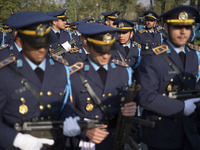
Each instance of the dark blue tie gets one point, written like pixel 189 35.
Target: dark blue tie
pixel 40 73
pixel 103 73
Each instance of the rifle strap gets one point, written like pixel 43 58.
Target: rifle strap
pixel 95 98
pixel 178 72
pixel 25 82
pixel 120 55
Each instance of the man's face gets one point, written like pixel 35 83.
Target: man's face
pixel 150 24
pixel 124 37
pixel 35 54
pixel 99 58
pixel 60 24
pixel 178 35
pixel 110 23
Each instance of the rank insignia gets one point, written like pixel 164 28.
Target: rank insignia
pixel 23 109
pixel 193 47
pixel 74 50
pixel 7 61
pixel 89 107
pixel 160 49
pixel 137 44
pixel 75 67
pixel 120 63
pixel 59 59
pixel 142 30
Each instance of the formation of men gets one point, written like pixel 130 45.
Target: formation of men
pixel 55 71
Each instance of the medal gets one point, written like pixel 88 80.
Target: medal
pixel 23 109
pixel 89 107
pixel 169 88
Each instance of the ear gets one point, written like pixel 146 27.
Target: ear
pixel 131 34
pixel 107 22
pixel 54 22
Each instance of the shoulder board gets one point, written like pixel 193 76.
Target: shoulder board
pixel 6 61
pixel 142 30
pixel 137 44
pixel 159 28
pixel 75 67
pixel 59 59
pixel 160 49
pixel 120 63
pixel 2 30
pixel 4 46
pixel 193 47
pixel 74 50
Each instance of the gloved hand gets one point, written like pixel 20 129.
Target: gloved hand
pixel 190 106
pixel 71 127
pixel 28 142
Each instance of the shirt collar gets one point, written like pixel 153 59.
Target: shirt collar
pixel 175 48
pixel 95 66
pixel 55 30
pixel 85 51
pixel 42 65
pixel 129 45
pixel 18 48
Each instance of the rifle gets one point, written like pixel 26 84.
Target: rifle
pixel 52 129
pixel 126 124
pixel 183 95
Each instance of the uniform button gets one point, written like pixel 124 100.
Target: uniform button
pixel 129 60
pixel 49 93
pixel 103 95
pixel 189 78
pixel 50 49
pixel 109 94
pixel 160 118
pixel 22 99
pixel 109 105
pixel 171 80
pixel 42 118
pixel 41 107
pixel 41 93
pixel 60 94
pixel 125 59
pixel 104 106
pixel 88 98
pixel 184 78
pixel 49 106
pixel 96 116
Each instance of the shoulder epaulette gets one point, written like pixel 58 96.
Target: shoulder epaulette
pixel 120 63
pixel 75 67
pixel 137 44
pixel 160 49
pixel 59 59
pixel 4 46
pixel 74 50
pixel 193 47
pixel 6 61
pixel 142 30
pixel 159 28
pixel 2 30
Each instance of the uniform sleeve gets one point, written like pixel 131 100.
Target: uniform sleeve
pixel 150 76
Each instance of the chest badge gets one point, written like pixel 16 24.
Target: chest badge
pixel 89 107
pixel 23 109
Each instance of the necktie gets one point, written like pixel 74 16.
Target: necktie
pixel 126 50
pixel 40 73
pixel 182 57
pixel 58 34
pixel 103 73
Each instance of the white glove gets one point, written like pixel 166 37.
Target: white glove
pixel 190 106
pixel 71 127
pixel 66 46
pixel 28 142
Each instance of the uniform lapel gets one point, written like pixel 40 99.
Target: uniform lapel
pixel 189 58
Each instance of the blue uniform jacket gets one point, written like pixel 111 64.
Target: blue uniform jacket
pixel 116 81
pixel 156 76
pixel 51 90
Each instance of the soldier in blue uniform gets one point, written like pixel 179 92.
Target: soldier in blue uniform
pixel 108 79
pixel 126 51
pixel 172 67
pixel 33 86
pixel 109 18
pixel 57 27
pixel 74 34
pixel 149 37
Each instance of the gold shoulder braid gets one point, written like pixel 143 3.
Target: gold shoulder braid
pixel 160 49
pixel 120 63
pixel 193 47
pixel 59 59
pixel 7 61
pixel 75 67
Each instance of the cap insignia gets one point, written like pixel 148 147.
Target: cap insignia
pixel 121 25
pixel 183 16
pixel 107 38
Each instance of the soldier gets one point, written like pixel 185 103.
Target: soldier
pixel 57 27
pixel 127 51
pixel 149 36
pixel 30 87
pixel 108 80
pixel 173 67
pixel 109 18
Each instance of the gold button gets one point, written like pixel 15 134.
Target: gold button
pixel 49 93
pixel 41 93
pixel 172 80
pixel 104 106
pixel 129 60
pixel 88 98
pixel 189 78
pixel 103 95
pixel 160 118
pixel 109 94
pixel 96 116
pixel 49 106
pixel 22 99
pixel 50 49
pixel 42 118
pixel 61 94
pixel 125 59
pixel 109 105
pixel 41 107
pixel 89 107
pixel 184 78
pixel 49 117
